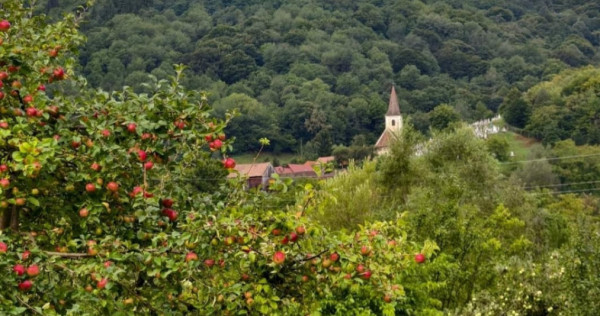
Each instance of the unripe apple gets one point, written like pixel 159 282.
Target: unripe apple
pixel 300 230
pixel 90 187
pixel 25 285
pixel 112 186
pixel 278 257
pixel 222 136
pixel 20 201
pixel 33 270
pixel 419 258
pixel 326 263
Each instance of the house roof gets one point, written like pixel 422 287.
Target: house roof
pixel 251 170
pixel 393 107
pixel 326 159
pixel 385 139
pixel 294 169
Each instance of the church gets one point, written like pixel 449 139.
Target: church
pixel 393 125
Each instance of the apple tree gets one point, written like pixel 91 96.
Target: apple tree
pixel 104 212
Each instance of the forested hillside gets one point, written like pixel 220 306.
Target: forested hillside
pixel 318 72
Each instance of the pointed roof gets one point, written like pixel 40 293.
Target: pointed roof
pixel 393 107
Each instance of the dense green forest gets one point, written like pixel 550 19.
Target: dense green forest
pixel 317 73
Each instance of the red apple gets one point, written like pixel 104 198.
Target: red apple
pixel 96 167
pixel 31 112
pixel 102 283
pixel 209 138
pixel 41 87
pixel 146 136
pixel 285 240
pixel 33 270
pixel 59 73
pixel 191 256
pixel 419 258
pixel 293 237
pixel 75 144
pixel 112 186
pixel 3 75
pixel 334 257
pixel 27 99
pixel 167 203
pixel 148 165
pixel 105 133
pixel 216 144
pixel 360 268
pixel 229 163
pixel 26 255
pixel 171 214
pixel 3 247
pixel 4 25
pixel 4 125
pixel 365 251
pixel 209 262
pixel 131 127
pixel 278 257
pixel 90 187
pixel 25 285
pixel 366 275
pixel 84 212
pixel 1 94
pixel 4 183
pixel 107 264
pixel 142 155
pixel 300 230
pixel 19 269
pixel 276 232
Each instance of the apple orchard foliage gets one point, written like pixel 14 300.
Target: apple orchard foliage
pixel 100 214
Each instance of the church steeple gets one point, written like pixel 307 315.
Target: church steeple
pixel 393 107
pixel 393 118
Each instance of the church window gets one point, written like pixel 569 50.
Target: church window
pixel 393 122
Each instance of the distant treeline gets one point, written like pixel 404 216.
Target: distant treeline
pixel 318 73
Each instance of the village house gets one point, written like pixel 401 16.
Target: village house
pixel 257 174
pixel 296 171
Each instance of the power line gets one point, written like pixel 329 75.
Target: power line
pixel 565 192
pixel 560 185
pixel 547 159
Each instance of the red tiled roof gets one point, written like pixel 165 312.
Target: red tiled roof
pixel 385 139
pixel 251 170
pixel 326 159
pixel 295 170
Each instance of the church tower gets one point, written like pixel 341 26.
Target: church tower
pixel 393 118
pixel 393 125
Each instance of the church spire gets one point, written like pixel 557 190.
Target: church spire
pixel 393 107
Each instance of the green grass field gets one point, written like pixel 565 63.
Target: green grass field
pixel 519 144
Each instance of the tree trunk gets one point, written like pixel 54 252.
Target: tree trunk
pixel 14 219
pixel 5 220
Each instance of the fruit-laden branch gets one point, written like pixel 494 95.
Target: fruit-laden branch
pixel 78 255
